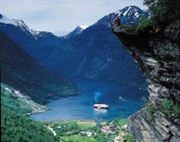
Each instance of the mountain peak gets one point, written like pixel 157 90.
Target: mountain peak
pixel 18 23
pixel 129 15
pixel 79 29
pixel 83 26
pixel 130 11
pixel 6 20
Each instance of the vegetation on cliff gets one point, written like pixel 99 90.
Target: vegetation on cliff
pixel 154 43
pixel 171 108
pixel 162 13
pixel 163 10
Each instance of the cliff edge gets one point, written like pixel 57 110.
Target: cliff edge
pixel 158 55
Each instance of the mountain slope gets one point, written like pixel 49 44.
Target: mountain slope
pixel 20 71
pixel 16 127
pixel 96 53
pixel 36 44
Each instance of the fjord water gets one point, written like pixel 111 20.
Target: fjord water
pixel 123 101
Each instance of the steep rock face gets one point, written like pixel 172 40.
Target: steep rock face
pixel 158 55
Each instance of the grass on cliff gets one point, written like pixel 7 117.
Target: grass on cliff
pixel 162 13
pixel 171 108
pixel 145 25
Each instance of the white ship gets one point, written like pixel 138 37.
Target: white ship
pixel 101 106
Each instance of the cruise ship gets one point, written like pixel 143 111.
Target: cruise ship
pixel 101 106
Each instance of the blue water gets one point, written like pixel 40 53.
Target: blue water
pixel 123 101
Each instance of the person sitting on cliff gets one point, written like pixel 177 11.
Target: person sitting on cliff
pixel 116 25
pixel 117 21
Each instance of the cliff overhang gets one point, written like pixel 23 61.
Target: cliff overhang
pixel 158 56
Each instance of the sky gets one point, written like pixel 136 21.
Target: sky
pixel 61 16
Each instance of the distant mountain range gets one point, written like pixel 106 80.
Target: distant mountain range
pixel 37 44
pixel 92 52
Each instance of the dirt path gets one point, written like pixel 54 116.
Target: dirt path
pixel 51 129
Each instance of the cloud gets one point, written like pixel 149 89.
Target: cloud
pixel 61 15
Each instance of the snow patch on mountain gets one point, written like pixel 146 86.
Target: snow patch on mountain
pixel 83 26
pixel 5 20
pixel 18 23
pixel 127 11
pixel 78 30
pixel 130 11
pixel 129 15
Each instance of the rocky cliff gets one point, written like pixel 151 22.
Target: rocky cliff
pixel 158 55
